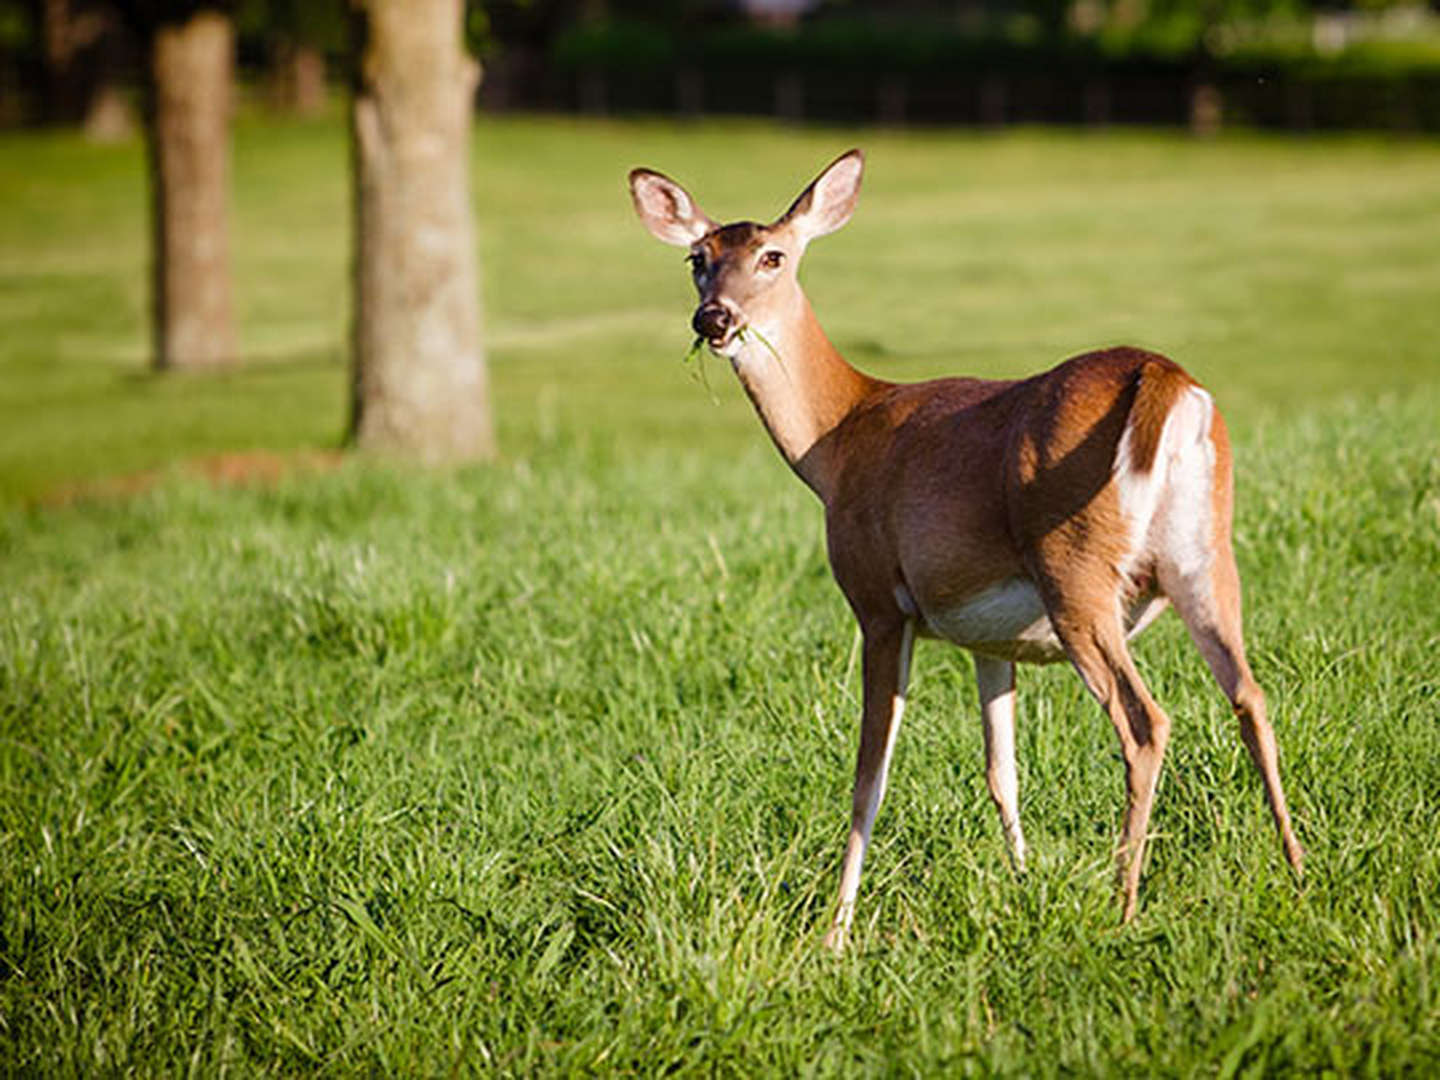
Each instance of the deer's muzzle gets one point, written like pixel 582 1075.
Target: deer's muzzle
pixel 712 321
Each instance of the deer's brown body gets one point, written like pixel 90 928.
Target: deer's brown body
pixel 1035 520
pixel 955 528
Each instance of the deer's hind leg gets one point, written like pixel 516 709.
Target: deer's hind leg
pixel 1096 646
pixel 1083 595
pixel 1196 569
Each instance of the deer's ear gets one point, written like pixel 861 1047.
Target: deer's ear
pixel 667 209
pixel 830 200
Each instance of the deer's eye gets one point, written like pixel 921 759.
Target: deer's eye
pixel 696 261
pixel 771 260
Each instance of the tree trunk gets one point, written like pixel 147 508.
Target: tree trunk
pixel 109 118
pixel 191 64
pixel 297 73
pixel 420 386
pixel 1206 110
pixel 62 90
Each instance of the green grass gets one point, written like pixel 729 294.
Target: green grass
pixel 1280 272
pixel 544 766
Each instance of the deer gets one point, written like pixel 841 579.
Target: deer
pixel 1034 520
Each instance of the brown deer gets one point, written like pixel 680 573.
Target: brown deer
pixel 1035 520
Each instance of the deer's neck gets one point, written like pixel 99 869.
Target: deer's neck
pixel 802 388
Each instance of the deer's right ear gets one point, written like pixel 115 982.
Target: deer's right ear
pixel 667 209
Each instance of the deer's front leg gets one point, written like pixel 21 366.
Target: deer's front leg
pixel 996 679
pixel 886 670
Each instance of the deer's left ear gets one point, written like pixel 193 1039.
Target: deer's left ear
pixel 830 200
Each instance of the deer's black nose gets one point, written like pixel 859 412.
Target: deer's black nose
pixel 711 321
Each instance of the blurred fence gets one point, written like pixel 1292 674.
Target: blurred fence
pixel 852 73
pixel 1176 97
pixel 1121 95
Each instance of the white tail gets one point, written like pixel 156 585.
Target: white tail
pixel 1037 520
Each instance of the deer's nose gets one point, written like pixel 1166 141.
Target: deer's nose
pixel 711 320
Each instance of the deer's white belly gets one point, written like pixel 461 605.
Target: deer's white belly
pixel 1008 621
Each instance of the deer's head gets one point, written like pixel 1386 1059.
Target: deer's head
pixel 745 272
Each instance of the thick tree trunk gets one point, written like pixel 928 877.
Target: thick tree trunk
pixel 420 385
pixel 191 64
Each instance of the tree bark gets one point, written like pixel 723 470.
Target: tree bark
pixel 420 386
pixel 191 64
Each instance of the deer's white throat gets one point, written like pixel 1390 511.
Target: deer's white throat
pixel 773 372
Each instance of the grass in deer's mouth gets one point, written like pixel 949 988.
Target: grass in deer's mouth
pixel 696 353
pixel 695 359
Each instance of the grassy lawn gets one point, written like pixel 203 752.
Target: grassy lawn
pixel 545 766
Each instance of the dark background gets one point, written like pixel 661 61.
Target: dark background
pixel 1265 63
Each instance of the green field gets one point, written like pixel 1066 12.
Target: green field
pixel 544 766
